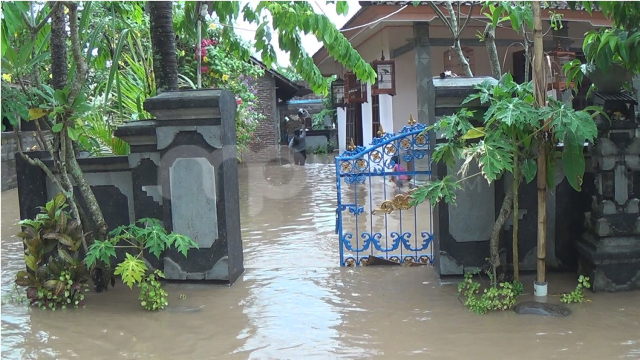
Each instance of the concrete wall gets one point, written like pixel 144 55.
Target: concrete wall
pixel 9 149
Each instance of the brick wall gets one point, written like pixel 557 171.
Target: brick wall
pixel 264 146
pixel 9 149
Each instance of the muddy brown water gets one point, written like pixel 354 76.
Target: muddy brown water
pixel 295 302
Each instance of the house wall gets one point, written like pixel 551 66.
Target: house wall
pixel 264 146
pixel 395 36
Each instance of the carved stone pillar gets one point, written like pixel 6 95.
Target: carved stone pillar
pixel 610 248
pixel 198 179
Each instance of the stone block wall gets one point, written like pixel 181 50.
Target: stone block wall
pixel 264 146
pixel 9 149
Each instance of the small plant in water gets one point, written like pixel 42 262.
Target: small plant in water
pixel 56 275
pixel 502 297
pixel 150 237
pixel 577 295
pixel 152 295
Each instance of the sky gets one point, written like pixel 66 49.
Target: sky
pixel 309 42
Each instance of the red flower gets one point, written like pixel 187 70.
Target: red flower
pixel 204 69
pixel 239 101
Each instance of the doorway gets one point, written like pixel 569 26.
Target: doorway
pixel 354 124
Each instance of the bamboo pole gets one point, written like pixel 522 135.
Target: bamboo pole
pixel 541 96
pixel 516 222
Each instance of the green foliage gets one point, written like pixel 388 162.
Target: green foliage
pixel 606 47
pixel 510 127
pixel 577 295
pixel 55 275
pixel 502 297
pixel 219 70
pixel 290 20
pixel 152 295
pixel 320 150
pixel 14 105
pixel 289 72
pixel 146 235
pixel 328 110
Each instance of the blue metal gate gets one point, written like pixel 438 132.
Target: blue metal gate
pixel 367 187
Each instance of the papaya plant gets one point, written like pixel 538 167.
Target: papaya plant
pixel 506 143
pixel 151 238
pixel 56 274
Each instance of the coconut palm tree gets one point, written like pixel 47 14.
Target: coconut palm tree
pixel 163 42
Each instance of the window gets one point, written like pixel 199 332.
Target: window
pixel 452 61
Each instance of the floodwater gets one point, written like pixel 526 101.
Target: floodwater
pixel 295 302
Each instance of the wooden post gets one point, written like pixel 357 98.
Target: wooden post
pixel 540 93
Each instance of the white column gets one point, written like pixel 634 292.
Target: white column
pixel 342 129
pixel 367 119
pixel 386 112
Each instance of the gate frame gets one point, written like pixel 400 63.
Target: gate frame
pixel 358 163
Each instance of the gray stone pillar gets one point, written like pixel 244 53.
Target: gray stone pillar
pixel 610 249
pixel 424 75
pixel 424 88
pixel 198 180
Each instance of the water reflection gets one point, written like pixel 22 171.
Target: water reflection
pixel 294 302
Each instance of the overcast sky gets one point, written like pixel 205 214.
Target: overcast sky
pixel 311 45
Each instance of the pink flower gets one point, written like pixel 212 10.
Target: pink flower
pixel 204 69
pixel 239 101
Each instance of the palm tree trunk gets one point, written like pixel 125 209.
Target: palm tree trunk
pixel 59 66
pixel 165 61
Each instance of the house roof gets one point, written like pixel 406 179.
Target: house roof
pixel 559 5
pixel 285 88
pixel 370 11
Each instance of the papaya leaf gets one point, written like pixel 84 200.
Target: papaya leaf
pixel 131 269
pixel 155 240
pixel 100 250
pixel 474 133
pixel 529 169
pixel 182 243
pixel 434 191
pixel 494 157
pixel 573 160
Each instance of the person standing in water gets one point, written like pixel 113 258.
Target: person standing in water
pixel 401 179
pixel 299 146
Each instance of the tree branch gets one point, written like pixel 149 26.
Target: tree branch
pixel 466 21
pixel 440 14
pixel 36 29
pixel 454 21
pixel 81 65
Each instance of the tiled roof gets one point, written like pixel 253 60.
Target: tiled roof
pixel 559 5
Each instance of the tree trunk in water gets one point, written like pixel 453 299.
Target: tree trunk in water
pixel 490 42
pixel 463 59
pixel 541 98
pixel 58 43
pixel 494 243
pixel 165 61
